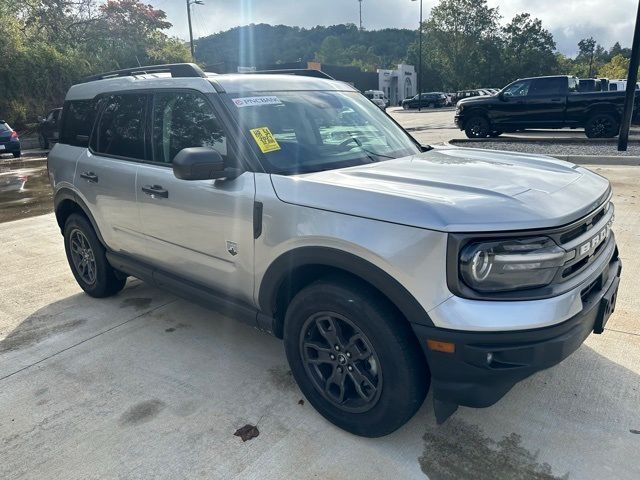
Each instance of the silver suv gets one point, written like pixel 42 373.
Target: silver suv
pixel 292 203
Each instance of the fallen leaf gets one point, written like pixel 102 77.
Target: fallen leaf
pixel 300 402
pixel 247 432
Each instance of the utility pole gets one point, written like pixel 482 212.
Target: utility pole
pixel 420 58
pixel 189 3
pixel 632 79
pixel 360 2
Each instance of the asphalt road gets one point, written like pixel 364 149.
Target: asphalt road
pixel 146 385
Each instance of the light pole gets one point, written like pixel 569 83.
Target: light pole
pixel 632 78
pixel 419 59
pixel 189 3
pixel 360 2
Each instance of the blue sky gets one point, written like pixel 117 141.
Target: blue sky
pixel 568 20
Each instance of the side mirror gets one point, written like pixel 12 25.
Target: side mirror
pixel 201 163
pixel 502 97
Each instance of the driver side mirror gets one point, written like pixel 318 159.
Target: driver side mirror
pixel 202 163
pixel 502 97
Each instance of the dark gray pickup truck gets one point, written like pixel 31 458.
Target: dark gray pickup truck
pixel 541 102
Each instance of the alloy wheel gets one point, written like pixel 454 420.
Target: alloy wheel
pixel 341 362
pixel 82 256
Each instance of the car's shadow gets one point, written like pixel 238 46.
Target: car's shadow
pixel 145 361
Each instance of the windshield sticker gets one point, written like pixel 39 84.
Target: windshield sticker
pixel 256 101
pixel 265 140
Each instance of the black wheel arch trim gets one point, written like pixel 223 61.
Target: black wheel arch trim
pixel 280 269
pixel 68 194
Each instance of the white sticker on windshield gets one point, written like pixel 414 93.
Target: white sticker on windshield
pixel 256 101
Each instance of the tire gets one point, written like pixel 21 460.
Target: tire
pixel 394 365
pixel 477 127
pixel 43 142
pixel 405 106
pixel 17 154
pixel 82 247
pixel 601 125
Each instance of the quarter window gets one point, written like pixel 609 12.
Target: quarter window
pixel 182 120
pixel 77 122
pixel 548 86
pixel 121 127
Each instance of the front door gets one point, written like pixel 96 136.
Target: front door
pixel 511 109
pixel 546 102
pixel 200 230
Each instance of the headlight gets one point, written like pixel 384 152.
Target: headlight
pixel 510 264
pixel 459 108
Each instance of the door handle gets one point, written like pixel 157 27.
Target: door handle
pixel 556 100
pixel 155 191
pixel 89 176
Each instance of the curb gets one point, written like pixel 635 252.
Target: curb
pixel 567 141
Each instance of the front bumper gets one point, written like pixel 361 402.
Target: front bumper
pixel 466 377
pixel 459 121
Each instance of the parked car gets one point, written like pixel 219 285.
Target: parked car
pixel 9 140
pixel 49 128
pixel 620 85
pixel 590 85
pixel 386 266
pixel 377 98
pixel 424 100
pixel 466 94
pixel 541 102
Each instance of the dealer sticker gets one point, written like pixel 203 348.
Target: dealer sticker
pixel 256 101
pixel 265 140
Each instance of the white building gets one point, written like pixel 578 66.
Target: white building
pixel 398 84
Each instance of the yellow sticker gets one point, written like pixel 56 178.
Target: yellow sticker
pixel 265 140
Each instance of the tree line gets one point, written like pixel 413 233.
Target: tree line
pixel 47 45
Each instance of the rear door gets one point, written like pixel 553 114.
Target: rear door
pixel 199 230
pixel 546 102
pixel 106 172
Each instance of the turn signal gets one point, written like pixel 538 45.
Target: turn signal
pixel 438 346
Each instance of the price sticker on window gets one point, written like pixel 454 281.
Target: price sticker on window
pixel 265 140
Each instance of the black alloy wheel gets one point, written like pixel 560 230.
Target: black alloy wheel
pixel 341 362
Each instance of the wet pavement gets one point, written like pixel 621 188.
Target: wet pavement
pixel 24 188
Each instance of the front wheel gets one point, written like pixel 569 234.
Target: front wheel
pixel 405 106
pixel 43 142
pixel 87 259
pixel 477 127
pixel 354 357
pixel 17 154
pixel 601 125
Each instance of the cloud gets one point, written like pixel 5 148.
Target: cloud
pixel 568 20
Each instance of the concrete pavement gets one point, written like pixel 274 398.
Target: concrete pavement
pixel 145 385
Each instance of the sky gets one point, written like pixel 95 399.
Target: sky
pixel 568 20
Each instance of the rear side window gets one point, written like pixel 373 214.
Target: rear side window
pixel 547 86
pixel 120 131
pixel 182 120
pixel 77 122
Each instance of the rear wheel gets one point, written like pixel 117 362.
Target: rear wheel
pixel 601 125
pixel 17 154
pixel 87 259
pixel 477 127
pixel 354 357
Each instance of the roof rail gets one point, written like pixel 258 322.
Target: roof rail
pixel 176 70
pixel 303 72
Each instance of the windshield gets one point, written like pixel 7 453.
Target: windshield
pixel 307 131
pixel 4 127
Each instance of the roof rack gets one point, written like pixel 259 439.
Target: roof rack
pixel 303 72
pixel 175 69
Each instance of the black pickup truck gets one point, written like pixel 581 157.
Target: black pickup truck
pixel 542 102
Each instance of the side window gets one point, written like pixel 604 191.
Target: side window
pixel 77 121
pixel 182 120
pixel 613 87
pixel 547 86
pixel 574 86
pixel 121 127
pixel 518 89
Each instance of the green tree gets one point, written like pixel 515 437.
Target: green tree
pixel 528 48
pixel 618 67
pixel 456 32
pixel 331 51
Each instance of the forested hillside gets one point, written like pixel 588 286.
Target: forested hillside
pixel 338 44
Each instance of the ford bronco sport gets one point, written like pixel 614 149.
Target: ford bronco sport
pixel 292 203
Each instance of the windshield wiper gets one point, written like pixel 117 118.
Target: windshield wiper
pixel 368 152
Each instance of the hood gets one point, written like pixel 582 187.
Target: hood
pixel 454 190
